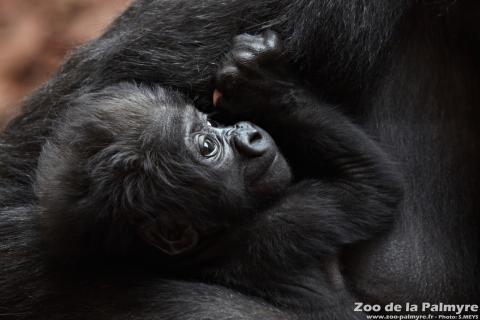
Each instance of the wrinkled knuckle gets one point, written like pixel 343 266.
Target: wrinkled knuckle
pixel 242 39
pixel 271 43
pixel 244 56
pixel 227 76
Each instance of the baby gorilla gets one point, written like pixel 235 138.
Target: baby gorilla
pixel 137 171
pixel 133 163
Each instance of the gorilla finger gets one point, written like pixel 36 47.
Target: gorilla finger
pixel 226 78
pixel 272 42
pixel 245 58
pixel 246 39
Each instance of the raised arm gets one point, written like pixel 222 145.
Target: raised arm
pixel 347 189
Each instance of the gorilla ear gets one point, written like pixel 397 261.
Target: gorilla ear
pixel 172 240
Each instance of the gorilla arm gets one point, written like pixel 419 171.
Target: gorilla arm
pixel 347 189
pixel 347 182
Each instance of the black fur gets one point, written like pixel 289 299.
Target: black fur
pixel 120 162
pixel 406 70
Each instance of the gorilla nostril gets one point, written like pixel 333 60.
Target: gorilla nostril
pixel 254 136
pixel 250 143
pixel 249 140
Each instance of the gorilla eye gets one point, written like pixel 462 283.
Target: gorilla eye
pixel 208 147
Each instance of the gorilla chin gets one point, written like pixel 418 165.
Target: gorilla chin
pixel 274 178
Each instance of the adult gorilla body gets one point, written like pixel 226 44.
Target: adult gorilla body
pixel 422 106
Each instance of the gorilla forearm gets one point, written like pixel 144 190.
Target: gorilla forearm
pixel 354 188
pixel 154 41
pixel 317 218
pixel 359 183
pixel 166 56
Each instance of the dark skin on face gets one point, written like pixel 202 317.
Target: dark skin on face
pixel 243 157
pixel 243 154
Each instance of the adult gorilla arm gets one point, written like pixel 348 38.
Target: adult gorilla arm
pixel 179 44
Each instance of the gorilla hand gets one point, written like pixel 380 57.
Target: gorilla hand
pixel 249 81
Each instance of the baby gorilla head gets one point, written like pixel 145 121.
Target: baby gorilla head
pixel 132 165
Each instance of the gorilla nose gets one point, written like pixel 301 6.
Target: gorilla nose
pixel 249 141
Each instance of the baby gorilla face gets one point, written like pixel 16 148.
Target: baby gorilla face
pixel 243 156
pixel 131 163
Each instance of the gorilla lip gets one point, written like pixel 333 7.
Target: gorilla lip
pixel 265 167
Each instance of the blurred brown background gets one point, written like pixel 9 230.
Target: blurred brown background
pixel 36 34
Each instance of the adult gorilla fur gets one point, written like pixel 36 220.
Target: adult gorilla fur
pixel 407 71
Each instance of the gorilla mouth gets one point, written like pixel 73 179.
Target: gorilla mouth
pixel 272 164
pixel 270 177
pixel 262 167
